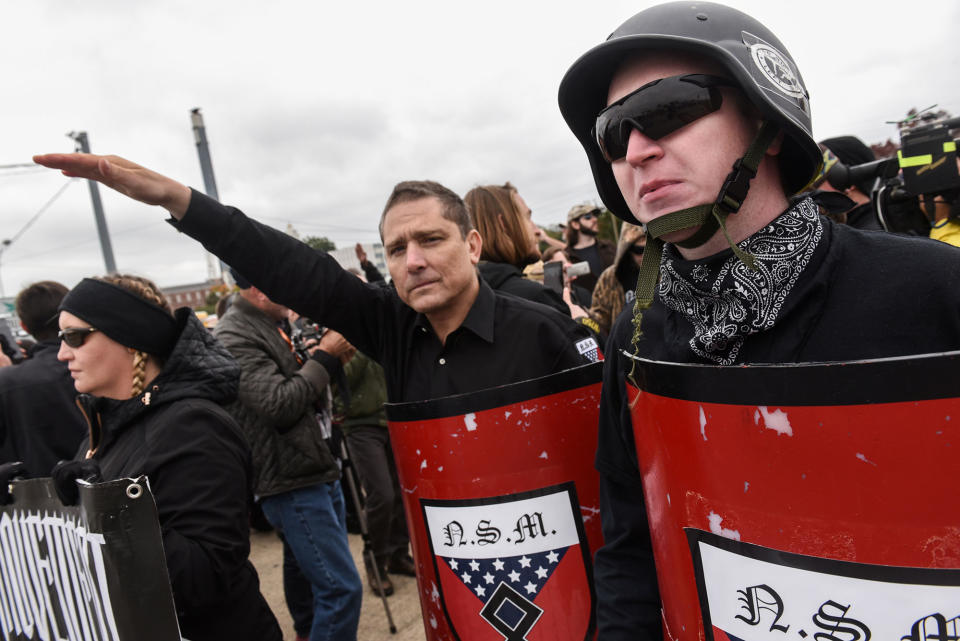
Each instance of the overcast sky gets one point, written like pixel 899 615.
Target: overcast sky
pixel 314 110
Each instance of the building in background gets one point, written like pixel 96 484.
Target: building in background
pixel 194 295
pixel 347 257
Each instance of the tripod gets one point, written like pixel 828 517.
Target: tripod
pixel 350 476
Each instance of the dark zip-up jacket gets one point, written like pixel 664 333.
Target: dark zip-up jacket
pixel 509 280
pixel 198 464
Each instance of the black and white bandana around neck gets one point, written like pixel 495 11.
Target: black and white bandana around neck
pixel 724 300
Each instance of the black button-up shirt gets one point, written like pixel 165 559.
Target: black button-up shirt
pixel 502 340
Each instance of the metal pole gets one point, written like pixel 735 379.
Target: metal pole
pixel 83 144
pixel 3 246
pixel 203 149
pixel 209 184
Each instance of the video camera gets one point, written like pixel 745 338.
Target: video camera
pixel 924 168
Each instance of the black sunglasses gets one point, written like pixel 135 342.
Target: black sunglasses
pixel 636 250
pixel 587 217
pixel 75 336
pixel 656 109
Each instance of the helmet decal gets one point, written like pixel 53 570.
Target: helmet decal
pixel 776 67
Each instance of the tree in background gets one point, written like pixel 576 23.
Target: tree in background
pixel 320 242
pixel 609 227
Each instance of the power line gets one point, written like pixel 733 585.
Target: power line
pixel 12 171
pixel 51 250
pixel 39 213
pixel 21 165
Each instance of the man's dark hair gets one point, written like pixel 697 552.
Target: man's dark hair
pixel 454 209
pixel 573 236
pixel 37 307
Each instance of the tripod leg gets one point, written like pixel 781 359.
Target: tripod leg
pixel 350 475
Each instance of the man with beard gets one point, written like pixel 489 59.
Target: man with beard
pixel 583 227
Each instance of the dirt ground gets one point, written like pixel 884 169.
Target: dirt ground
pixel 266 553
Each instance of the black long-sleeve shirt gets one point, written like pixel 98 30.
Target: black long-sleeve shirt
pixel 502 340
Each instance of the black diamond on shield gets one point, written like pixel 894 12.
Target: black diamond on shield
pixel 511 613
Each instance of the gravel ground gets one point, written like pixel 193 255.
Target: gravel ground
pixel 266 553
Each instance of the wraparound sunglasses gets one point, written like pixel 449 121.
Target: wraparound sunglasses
pixel 656 109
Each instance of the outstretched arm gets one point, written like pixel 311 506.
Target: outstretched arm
pixel 129 178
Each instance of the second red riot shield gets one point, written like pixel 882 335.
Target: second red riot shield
pixel 502 501
pixel 804 501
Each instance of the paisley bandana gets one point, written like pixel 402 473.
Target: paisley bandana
pixel 724 300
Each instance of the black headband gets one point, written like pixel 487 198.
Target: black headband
pixel 123 316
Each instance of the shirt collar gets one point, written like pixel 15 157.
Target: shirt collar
pixel 479 319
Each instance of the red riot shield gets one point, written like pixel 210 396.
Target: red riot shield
pixel 798 501
pixel 501 497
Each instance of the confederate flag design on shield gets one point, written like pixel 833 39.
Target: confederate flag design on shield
pixel 514 567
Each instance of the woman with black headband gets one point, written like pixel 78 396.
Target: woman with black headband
pixel 151 384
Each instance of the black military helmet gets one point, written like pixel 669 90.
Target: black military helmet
pixel 753 56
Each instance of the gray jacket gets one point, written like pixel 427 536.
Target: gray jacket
pixel 275 403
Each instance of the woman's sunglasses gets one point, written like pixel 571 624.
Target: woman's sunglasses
pixel 656 109
pixel 75 336
pixel 636 250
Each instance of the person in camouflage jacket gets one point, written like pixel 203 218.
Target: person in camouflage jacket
pixel 616 284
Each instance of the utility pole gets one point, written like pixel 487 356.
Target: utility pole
pixel 209 184
pixel 83 144
pixel 3 245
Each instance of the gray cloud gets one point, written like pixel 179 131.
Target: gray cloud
pixel 315 110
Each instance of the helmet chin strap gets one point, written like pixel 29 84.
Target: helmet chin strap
pixel 709 218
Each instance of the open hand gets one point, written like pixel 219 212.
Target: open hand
pixel 128 178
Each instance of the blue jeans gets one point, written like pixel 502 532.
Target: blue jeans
pixel 298 593
pixel 312 521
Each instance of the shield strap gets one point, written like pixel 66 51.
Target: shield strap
pixel 709 218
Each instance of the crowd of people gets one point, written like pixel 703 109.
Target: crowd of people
pixel 701 265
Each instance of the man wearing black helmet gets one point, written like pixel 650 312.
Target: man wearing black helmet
pixel 697 125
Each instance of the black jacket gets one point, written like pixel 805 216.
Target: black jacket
pixel 509 280
pixel 39 420
pixel 865 294
pixel 198 465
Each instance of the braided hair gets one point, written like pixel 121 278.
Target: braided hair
pixel 148 290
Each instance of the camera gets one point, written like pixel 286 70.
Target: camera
pixel 927 160
pixel 906 186
pixel 301 334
